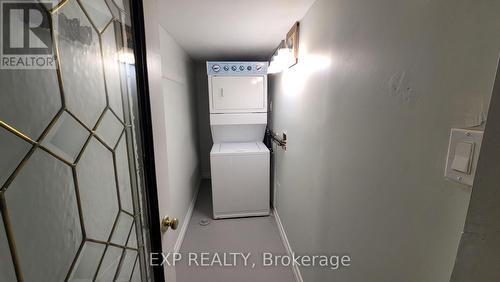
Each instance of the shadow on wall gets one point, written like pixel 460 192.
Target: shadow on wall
pixel 479 252
pixel 203 116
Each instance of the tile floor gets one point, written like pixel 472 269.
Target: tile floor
pixel 243 235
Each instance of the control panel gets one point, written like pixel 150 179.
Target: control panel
pixel 237 68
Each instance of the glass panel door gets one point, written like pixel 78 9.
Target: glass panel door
pixel 72 189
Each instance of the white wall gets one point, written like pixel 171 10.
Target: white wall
pixel 367 112
pixel 158 114
pixel 174 124
pixel 181 131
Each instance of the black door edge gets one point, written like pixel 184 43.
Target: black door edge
pixel 137 15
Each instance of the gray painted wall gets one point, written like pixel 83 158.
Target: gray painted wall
pixel 368 111
pixel 478 257
pixel 205 135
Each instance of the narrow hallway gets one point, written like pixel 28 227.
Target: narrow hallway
pixel 254 235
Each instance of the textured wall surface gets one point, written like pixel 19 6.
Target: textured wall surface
pixel 368 111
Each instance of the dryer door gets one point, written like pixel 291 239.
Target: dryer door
pixel 232 94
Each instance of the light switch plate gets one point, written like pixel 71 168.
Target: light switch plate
pixel 460 164
pixel 462 158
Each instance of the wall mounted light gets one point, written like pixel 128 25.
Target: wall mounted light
pixel 287 53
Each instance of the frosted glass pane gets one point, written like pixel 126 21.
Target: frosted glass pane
pixel 30 99
pixel 109 264
pixel 110 129
pixel 136 276
pixel 44 215
pixel 115 11
pixel 123 172
pixel 111 69
pixel 127 266
pixel 12 149
pixel 50 4
pixel 66 138
pixel 132 241
pixel 87 263
pixel 120 234
pixel 7 272
pixel 98 12
pixel 96 179
pixel 81 64
pixel 119 3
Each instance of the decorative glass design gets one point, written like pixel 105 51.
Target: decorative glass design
pixel 14 151
pixel 98 12
pixel 136 275
pixel 110 129
pixel 111 68
pixel 81 64
pixel 123 173
pixel 87 263
pixel 120 4
pixel 37 94
pixel 97 186
pixel 45 220
pixel 113 8
pixel 132 240
pixel 127 266
pixel 109 264
pixel 68 169
pixel 122 229
pixel 7 272
pixel 66 138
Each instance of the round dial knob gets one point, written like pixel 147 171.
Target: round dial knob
pixel 226 68
pixel 242 68
pixel 234 68
pixel 216 68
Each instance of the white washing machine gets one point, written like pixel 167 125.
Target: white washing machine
pixel 240 179
pixel 238 117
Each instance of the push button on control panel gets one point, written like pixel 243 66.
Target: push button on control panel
pixel 237 68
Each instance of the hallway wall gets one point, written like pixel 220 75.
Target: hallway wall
pixel 202 106
pixel 367 112
pixel 479 251
pixel 181 131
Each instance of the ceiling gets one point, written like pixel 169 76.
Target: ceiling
pixel 230 29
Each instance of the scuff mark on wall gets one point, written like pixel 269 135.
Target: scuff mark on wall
pixel 400 89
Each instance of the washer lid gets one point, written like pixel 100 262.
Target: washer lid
pixel 237 148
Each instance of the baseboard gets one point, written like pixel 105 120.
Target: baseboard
pixel 187 219
pixel 286 243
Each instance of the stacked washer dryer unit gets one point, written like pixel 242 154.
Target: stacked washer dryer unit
pixel 238 117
